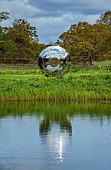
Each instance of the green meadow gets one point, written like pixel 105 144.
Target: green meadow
pixel 28 83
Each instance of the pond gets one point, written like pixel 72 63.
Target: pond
pixel 55 136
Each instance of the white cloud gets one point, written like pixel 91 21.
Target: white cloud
pixel 20 8
pixel 53 17
pixel 50 28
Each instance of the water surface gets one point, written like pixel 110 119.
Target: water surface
pixel 55 136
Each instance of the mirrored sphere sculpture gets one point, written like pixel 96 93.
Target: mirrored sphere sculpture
pixel 53 58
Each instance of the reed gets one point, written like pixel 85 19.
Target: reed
pixel 78 84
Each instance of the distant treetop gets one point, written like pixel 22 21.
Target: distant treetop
pixel 105 18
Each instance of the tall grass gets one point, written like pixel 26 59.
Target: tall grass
pixel 81 84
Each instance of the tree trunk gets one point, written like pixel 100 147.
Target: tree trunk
pixel 90 60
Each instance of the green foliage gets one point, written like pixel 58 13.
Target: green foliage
pixel 79 84
pixel 19 43
pixel 26 39
pixel 86 42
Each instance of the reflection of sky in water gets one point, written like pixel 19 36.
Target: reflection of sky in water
pixel 54 52
pixel 56 141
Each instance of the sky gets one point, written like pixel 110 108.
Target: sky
pixel 53 17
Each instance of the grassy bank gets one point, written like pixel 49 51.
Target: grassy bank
pixel 78 84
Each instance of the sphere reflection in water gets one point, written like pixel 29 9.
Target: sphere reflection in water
pixel 57 142
pixel 55 134
pixel 53 58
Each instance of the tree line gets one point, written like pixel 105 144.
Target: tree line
pixel 19 43
pixel 85 42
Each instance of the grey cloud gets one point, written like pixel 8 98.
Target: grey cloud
pixel 37 8
pixel 52 17
pixel 50 28
pixel 58 7
pixel 20 8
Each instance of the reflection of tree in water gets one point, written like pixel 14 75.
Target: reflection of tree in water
pixel 61 120
pixel 59 110
pixel 55 131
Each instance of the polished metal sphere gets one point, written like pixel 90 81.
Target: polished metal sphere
pixel 51 57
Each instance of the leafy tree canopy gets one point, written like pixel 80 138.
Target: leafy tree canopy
pixel 105 18
pixel 85 41
pixel 4 15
